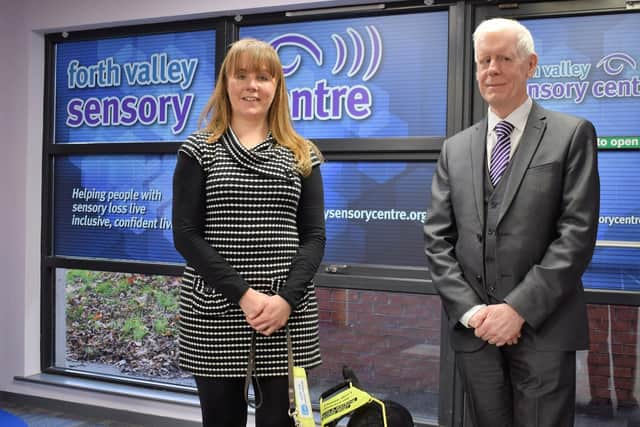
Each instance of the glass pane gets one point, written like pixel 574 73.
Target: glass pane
pixel 347 78
pixel 118 324
pixel 390 340
pixel 125 325
pixel 114 206
pixel 375 211
pixel 148 87
pixel 607 385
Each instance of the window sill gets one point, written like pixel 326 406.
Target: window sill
pixel 103 387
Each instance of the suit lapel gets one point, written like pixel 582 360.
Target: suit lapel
pixel 478 150
pixel 527 147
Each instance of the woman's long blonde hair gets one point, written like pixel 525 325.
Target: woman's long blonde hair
pixel 258 54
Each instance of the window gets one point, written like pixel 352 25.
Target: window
pixel 374 99
pixel 118 325
pixel 595 76
pixel 121 102
pixel 361 77
pixel 391 341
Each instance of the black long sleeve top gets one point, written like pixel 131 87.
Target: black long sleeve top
pixel 188 231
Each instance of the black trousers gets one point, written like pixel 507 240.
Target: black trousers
pixel 519 386
pixel 223 403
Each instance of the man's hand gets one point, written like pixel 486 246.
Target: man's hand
pixel 498 324
pixel 273 316
pixel 478 317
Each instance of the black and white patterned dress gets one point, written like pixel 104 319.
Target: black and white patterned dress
pixel 239 223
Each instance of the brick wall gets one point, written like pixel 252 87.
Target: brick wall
pixel 612 354
pixel 391 340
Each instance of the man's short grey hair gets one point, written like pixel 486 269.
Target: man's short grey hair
pixel 525 44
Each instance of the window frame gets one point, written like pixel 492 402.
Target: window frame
pixel 49 261
pixel 366 277
pixel 464 106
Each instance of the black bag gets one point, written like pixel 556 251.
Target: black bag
pixel 365 414
pixel 370 415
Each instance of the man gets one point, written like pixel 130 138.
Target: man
pixel 511 229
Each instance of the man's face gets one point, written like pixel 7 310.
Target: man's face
pixel 502 71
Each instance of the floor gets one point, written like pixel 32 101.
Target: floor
pixel 35 415
pixel 59 414
pixel 607 416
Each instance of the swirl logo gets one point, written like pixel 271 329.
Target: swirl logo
pixel 359 50
pixel 301 41
pixel 357 41
pixel 613 64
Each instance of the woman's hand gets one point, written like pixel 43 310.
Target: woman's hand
pixel 274 315
pixel 252 303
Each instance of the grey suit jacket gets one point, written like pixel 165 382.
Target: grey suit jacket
pixel 545 235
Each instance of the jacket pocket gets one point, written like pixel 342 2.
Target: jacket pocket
pixel 206 301
pixel 310 293
pixel 543 168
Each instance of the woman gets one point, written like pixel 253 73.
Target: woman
pixel 248 217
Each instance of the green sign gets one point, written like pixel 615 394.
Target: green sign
pixel 618 142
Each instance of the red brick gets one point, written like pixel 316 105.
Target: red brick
pixel 624 339
pixel 336 306
pixel 624 384
pixel 621 372
pixel 392 309
pixel 596 336
pixel 338 294
pixel 367 297
pixel 597 311
pixel 324 315
pixel 598 358
pixel 339 317
pixel 599 347
pixel 628 361
pixel 616 348
pixel 625 313
pixel 599 370
pixel 598 381
pixel 624 326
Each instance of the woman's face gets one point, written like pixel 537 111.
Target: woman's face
pixel 250 92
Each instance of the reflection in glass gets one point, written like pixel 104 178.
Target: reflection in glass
pixel 607 384
pixel 390 340
pixel 119 324
pixel 125 325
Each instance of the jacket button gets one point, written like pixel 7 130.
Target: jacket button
pixel 479 278
pixel 490 232
pixel 492 288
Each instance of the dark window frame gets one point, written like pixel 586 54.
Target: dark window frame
pixel 51 150
pixel 554 9
pixel 464 106
pixel 367 277
pixel 452 403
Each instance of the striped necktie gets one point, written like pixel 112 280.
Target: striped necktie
pixel 501 151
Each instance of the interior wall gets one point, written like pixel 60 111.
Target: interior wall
pixel 13 40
